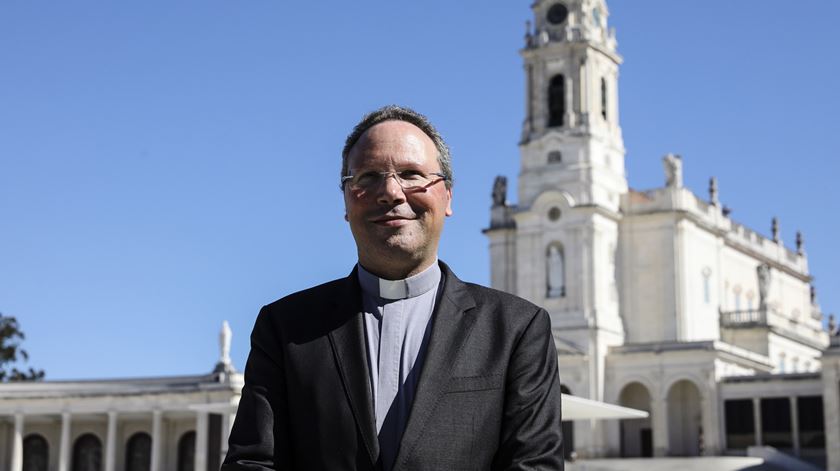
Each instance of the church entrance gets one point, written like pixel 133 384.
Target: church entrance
pixel 684 419
pixel 635 434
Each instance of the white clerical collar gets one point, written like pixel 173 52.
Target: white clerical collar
pixel 399 289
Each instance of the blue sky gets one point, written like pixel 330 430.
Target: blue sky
pixel 168 165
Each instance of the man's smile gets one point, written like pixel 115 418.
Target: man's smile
pixel 393 220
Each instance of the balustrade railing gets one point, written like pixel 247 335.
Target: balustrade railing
pixel 742 318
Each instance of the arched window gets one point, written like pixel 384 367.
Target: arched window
pixel 87 453
pixel 138 452
pixel 186 452
pixel 36 453
pixel 555 268
pixel 604 98
pixel 557 101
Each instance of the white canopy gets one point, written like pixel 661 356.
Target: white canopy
pixel 578 408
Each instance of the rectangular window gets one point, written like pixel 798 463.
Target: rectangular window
pixel 740 425
pixel 775 422
pixel 706 290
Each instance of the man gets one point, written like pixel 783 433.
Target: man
pixel 401 365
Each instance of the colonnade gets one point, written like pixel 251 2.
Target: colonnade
pixel 202 413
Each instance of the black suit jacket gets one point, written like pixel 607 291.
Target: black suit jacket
pixel 488 396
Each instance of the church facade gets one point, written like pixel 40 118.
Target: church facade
pixel 659 300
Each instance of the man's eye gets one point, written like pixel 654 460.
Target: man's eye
pixel 367 179
pixel 411 175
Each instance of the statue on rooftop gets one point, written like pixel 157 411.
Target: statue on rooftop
pixel 713 191
pixel 500 191
pixel 800 243
pixel 224 343
pixel 774 228
pixel 673 171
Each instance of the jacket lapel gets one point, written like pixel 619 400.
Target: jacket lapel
pixel 452 323
pixel 350 353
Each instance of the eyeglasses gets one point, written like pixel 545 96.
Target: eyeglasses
pixel 407 179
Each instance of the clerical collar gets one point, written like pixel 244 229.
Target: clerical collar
pixel 400 289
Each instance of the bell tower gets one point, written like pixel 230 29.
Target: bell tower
pixel 571 134
pixel 558 245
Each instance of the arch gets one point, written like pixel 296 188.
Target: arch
pixel 636 435
pixel 138 452
pixel 87 453
pixel 555 271
pixel 36 453
pixel 568 431
pixel 186 451
pixel 551 197
pixel 685 418
pixel 557 101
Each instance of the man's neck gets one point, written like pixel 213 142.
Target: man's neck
pixel 390 271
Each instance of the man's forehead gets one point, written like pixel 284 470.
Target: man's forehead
pixel 394 132
pixel 393 138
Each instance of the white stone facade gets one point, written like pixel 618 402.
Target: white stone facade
pixel 663 297
pixel 158 424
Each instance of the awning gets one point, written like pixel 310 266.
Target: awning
pixel 578 408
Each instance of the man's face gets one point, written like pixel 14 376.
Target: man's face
pixel 396 232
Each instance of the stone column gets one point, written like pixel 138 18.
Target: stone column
pixel 831 406
pixel 157 439
pixel 17 444
pixel 759 439
pixel 794 425
pixel 64 451
pixel 111 442
pixel 659 422
pixel 227 424
pixel 711 437
pixel 201 424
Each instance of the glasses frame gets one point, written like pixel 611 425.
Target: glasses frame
pixel 386 175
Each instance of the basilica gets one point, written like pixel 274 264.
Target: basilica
pixel 659 300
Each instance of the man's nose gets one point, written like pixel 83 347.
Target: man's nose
pixel 390 191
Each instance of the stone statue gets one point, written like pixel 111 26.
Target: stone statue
pixel 774 228
pixel 500 191
pixel 763 284
pixel 224 343
pixel 713 191
pixel 554 268
pixel 813 295
pixel 800 243
pixel 673 171
pixel 832 325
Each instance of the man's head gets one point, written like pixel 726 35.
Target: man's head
pixel 395 220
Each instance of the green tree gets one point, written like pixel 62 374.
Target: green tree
pixel 11 353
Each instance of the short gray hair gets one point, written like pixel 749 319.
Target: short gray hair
pixel 400 113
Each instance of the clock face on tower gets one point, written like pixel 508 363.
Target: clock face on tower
pixel 557 14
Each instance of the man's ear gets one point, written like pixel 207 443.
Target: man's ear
pixel 448 211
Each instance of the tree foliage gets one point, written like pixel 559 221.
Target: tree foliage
pixel 11 353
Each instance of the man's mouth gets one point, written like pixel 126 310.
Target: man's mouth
pixel 392 220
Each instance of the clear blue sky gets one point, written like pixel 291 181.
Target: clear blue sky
pixel 168 165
